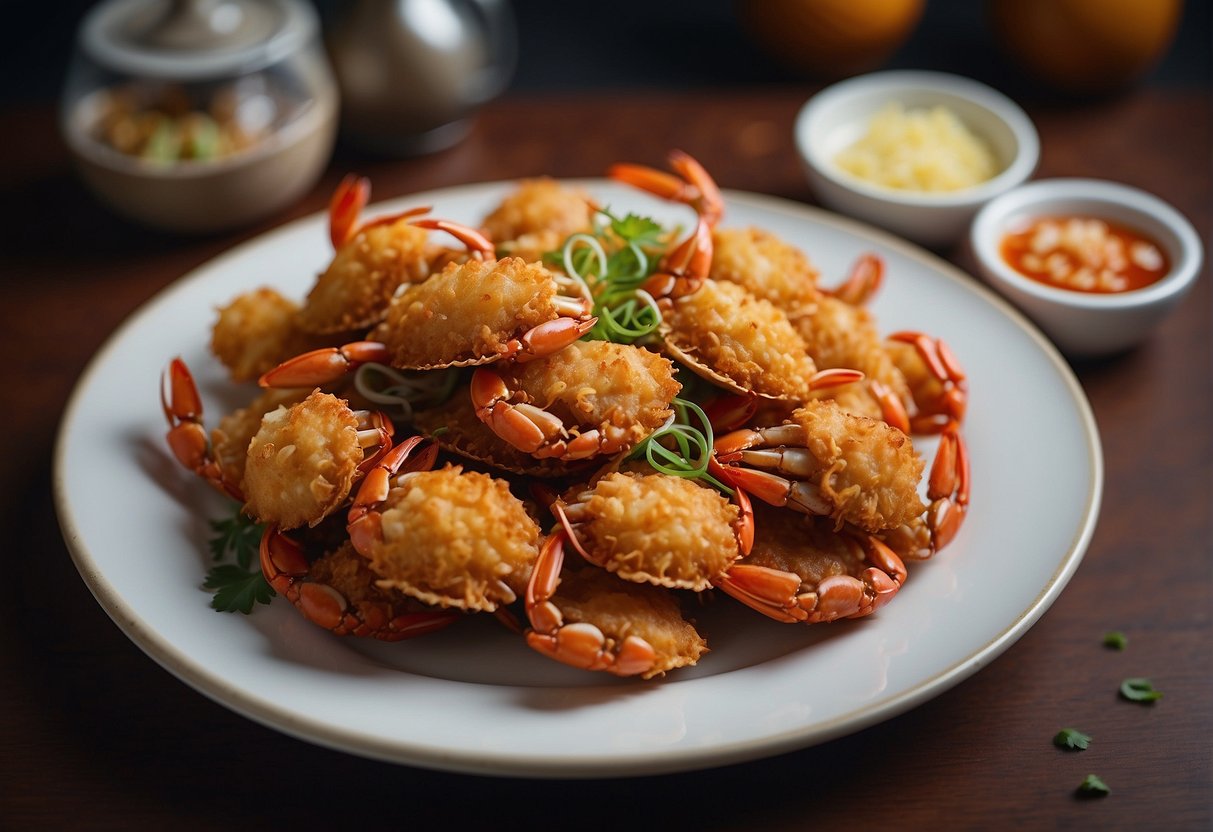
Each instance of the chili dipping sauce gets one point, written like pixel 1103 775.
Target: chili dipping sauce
pixel 1084 254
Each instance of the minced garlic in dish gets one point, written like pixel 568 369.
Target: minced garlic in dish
pixel 919 150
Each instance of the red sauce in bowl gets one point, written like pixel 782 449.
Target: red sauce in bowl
pixel 1085 254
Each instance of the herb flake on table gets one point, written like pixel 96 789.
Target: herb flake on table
pixel 1139 690
pixel 1092 786
pixel 1071 739
pixel 1115 640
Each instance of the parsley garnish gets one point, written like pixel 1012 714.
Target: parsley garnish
pixel 1115 640
pixel 1139 690
pixel 1071 739
pixel 236 589
pixel 238 586
pixel 1092 786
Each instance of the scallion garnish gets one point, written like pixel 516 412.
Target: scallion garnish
pixel 679 449
pixel 404 392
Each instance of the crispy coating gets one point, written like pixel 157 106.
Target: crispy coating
pixel 866 469
pixel 658 529
pixel 230 438
pixel 455 539
pixel 926 390
pixel 621 389
pixel 539 206
pixel 354 291
pixel 748 341
pixel 467 311
pixel 805 546
pixel 621 609
pixel 256 332
pixel 302 462
pixel 766 266
pixel 372 606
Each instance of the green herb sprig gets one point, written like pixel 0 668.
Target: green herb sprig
pixel 1092 786
pixel 1139 690
pixel 239 586
pixel 1071 739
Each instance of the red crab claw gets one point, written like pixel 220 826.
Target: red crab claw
pixel 324 365
pixel 744 526
pixel 783 596
pixel 892 408
pixel 683 270
pixel 364 521
pixel 286 568
pixel 476 241
pixel 693 186
pixel 942 364
pixel 186 437
pixel 731 411
pixel 345 206
pixel 948 487
pixel 579 644
pixel 863 283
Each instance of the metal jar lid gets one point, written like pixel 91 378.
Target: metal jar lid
pixel 195 40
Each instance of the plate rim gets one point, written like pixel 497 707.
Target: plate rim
pixel 636 763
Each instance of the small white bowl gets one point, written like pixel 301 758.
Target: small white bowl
pixel 1083 324
pixel 839 115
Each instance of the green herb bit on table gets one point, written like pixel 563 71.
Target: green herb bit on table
pixel 1139 690
pixel 1115 640
pixel 1071 739
pixel 238 586
pixel 1092 786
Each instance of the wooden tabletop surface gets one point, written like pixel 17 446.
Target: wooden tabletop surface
pixel 94 734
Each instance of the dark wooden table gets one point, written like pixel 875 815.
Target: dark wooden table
pixel 95 734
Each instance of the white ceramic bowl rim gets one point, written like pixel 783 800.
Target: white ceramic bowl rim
pixel 1089 195
pixel 899 81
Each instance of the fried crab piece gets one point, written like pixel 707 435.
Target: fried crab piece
pixel 938 385
pixel 802 569
pixel 739 342
pixel 258 330
pixel 446 537
pixel 337 591
pixel 590 398
pixel 231 437
pixel 838 334
pixel 303 460
pixel 767 267
pixel 589 619
pixel 826 461
pixel 468 314
pixel 372 261
pixel 653 528
pixel 537 217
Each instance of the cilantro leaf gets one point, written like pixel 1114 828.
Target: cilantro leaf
pixel 634 228
pixel 1139 690
pixel 238 536
pixel 1071 739
pixel 237 589
pixel 1092 786
pixel 1115 640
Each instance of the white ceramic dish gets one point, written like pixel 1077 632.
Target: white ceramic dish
pixel 839 115
pixel 474 698
pixel 1080 323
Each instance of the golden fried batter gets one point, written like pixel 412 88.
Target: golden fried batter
pixel 354 291
pixel 748 341
pixel 455 539
pixel 805 546
pixel 230 439
pixel 658 529
pixel 302 461
pixel 256 332
pixel 621 609
pixel 867 470
pixel 766 266
pixel 621 389
pixel 539 206
pixel 467 311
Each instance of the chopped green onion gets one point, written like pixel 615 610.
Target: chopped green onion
pixel 404 391
pixel 691 451
pixel 1139 690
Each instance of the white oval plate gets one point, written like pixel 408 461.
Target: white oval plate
pixel 474 698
